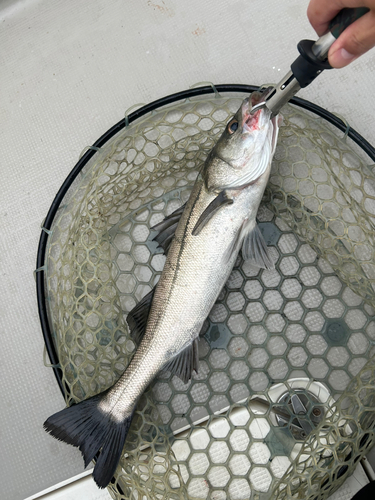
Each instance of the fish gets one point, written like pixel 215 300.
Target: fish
pixel 201 240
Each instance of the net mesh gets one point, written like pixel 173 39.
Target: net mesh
pixel 305 328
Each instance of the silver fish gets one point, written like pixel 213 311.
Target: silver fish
pixel 202 241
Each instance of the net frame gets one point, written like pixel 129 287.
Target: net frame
pixel 40 279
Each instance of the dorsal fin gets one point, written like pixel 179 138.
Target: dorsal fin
pixel 166 229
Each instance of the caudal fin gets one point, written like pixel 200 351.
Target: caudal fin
pixel 86 426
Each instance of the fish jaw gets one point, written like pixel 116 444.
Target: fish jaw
pixel 253 122
pixel 241 157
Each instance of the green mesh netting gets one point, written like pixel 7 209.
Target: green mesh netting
pixel 305 328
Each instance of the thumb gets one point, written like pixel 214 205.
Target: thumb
pixel 357 39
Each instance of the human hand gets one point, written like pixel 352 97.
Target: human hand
pixel 357 39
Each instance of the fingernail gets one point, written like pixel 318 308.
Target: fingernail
pixel 346 55
pixel 341 58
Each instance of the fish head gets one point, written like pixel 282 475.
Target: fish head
pixel 245 149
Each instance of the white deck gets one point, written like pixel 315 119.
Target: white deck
pixel 69 70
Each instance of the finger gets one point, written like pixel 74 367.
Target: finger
pixel 357 39
pixel 321 12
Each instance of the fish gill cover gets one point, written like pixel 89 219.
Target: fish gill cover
pixel 310 319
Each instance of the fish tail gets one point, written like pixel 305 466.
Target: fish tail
pixel 86 426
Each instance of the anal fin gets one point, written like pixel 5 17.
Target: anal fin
pixel 138 316
pixel 185 363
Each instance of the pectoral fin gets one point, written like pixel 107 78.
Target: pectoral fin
pixel 255 249
pixel 220 201
pixel 185 363
pixel 167 228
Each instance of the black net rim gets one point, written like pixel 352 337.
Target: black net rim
pixel 193 92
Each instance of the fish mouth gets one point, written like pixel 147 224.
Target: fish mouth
pixel 251 121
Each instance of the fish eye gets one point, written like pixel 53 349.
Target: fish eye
pixel 232 126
